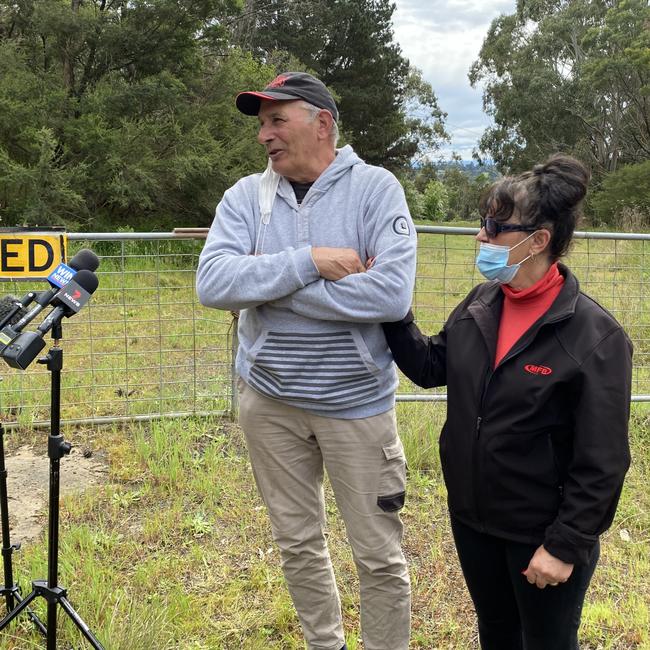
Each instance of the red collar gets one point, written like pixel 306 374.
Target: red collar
pixel 552 278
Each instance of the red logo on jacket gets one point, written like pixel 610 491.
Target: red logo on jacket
pixel 537 370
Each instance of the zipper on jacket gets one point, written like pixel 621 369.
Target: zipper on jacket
pixel 476 454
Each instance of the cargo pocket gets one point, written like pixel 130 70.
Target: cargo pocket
pixel 392 484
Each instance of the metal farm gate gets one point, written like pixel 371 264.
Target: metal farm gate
pixel 145 348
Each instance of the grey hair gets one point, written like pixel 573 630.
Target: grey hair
pixel 313 113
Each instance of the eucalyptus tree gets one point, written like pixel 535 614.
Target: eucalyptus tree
pixel 570 75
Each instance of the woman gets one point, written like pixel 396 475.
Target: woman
pixel 535 447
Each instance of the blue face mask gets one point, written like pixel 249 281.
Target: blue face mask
pixel 492 261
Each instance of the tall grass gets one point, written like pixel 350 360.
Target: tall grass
pixel 175 551
pixel 142 346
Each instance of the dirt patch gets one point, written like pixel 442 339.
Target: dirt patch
pixel 28 477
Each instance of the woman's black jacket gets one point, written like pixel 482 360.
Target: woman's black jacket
pixel 536 449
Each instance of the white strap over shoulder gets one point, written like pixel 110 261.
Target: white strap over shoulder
pixel 267 191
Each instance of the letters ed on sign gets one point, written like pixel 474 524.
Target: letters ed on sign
pixel 27 254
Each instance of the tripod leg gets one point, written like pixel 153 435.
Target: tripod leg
pixel 37 621
pixel 51 626
pixel 57 448
pixel 13 613
pixel 76 619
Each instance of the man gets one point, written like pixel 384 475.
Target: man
pixel 314 277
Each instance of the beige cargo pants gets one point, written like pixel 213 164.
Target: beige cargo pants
pixel 364 460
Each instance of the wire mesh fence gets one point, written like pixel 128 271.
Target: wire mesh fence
pixel 612 268
pixel 144 347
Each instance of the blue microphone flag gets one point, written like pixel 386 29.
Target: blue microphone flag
pixel 61 275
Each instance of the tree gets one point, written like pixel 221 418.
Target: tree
pixel 435 201
pixel 423 172
pixel 463 191
pixel 121 112
pixel 618 71
pixel 567 75
pixel 424 119
pixel 414 199
pixel 387 111
pixel 626 190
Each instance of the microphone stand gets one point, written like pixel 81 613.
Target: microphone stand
pixel 57 447
pixel 10 589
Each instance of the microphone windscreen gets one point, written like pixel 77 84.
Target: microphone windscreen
pixel 87 280
pixel 7 303
pixel 84 259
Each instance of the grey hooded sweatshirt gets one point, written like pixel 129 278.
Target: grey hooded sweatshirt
pixel 306 341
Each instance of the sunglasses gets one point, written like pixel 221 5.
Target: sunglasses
pixel 493 227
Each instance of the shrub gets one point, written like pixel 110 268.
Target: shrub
pixel 622 193
pixel 435 201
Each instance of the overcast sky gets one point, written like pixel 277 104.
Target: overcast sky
pixel 442 38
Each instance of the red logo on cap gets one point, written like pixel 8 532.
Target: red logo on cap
pixel 279 81
pixel 537 370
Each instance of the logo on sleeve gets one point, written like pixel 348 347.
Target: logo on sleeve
pixel 537 370
pixel 401 226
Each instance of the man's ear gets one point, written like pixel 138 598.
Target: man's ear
pixel 325 121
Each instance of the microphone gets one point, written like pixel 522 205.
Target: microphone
pixel 62 274
pixel 85 259
pixel 11 310
pixel 70 299
pixel 20 352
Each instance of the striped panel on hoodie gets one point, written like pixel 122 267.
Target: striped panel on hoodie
pixel 324 369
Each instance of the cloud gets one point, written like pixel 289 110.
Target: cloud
pixel 443 38
pixel 453 14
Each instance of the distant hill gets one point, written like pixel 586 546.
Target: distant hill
pixel 470 167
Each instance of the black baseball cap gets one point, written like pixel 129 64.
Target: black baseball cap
pixel 287 86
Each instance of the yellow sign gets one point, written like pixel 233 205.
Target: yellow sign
pixel 30 254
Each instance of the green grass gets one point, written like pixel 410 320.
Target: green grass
pixel 175 551
pixel 143 345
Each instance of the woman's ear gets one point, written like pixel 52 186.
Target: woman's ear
pixel 540 241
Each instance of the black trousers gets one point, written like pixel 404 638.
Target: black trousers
pixel 513 614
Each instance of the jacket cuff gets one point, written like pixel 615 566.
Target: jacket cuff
pixel 305 266
pixel 407 320
pixel 569 545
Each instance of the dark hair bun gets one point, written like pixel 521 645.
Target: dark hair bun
pixel 554 198
pixel 564 180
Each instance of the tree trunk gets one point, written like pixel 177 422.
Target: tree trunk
pixel 245 26
pixel 68 55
